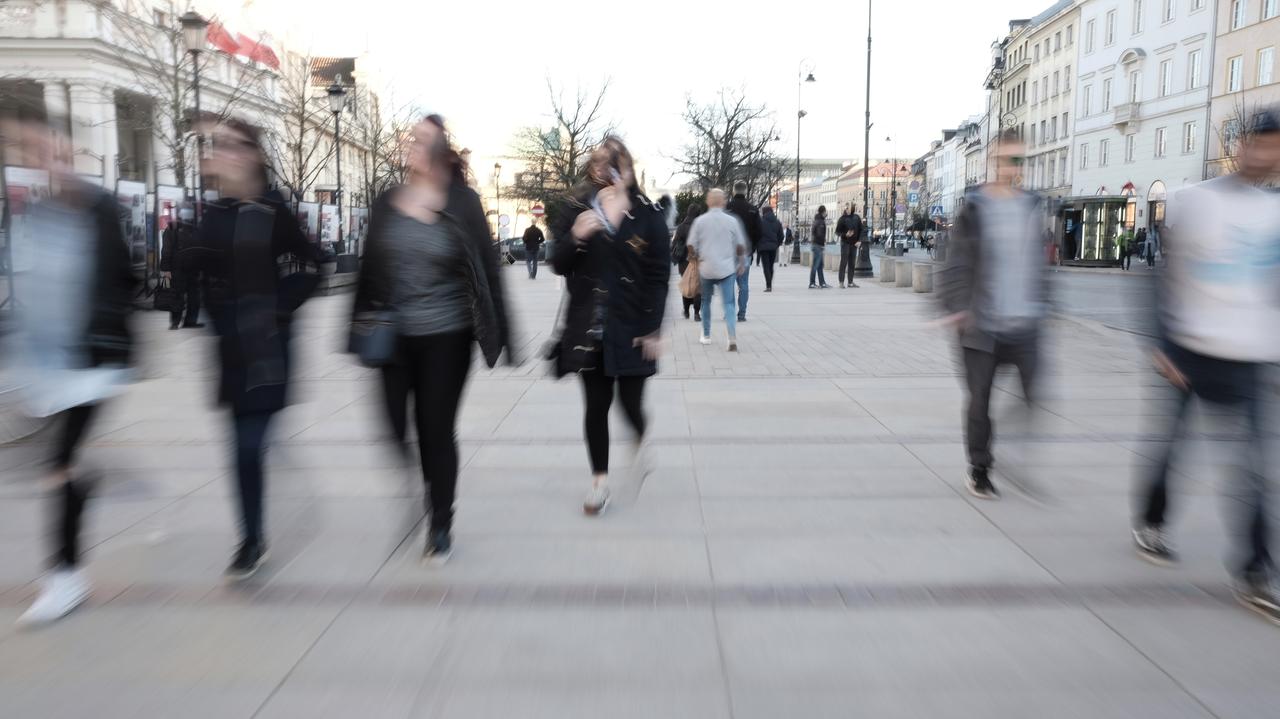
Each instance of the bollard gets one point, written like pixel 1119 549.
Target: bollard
pixel 902 273
pixel 886 268
pixel 922 277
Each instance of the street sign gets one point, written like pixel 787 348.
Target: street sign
pixel 935 210
pixel 504 220
pixel 538 211
pixel 913 198
pixel 900 209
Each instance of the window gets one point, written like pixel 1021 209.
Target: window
pixel 1089 29
pixel 1109 30
pixel 1130 142
pixel 1044 132
pixel 1035 91
pixel 1166 78
pixel 1033 135
pixel 1084 156
pixel 1160 141
pixel 1066 79
pixel 1086 101
pixel 1057 41
pixel 1053 128
pixel 1062 165
pixel 1056 82
pixel 1235 71
pixel 1106 94
pixel 160 18
pixel 1230 135
pixel 1197 4
pixel 1190 133
pixel 1137 16
pixel 1037 52
pixel 1167 14
pixel 1193 69
pixel 1266 65
pixel 1135 86
pixel 1052 167
pixel 1270 8
pixel 1065 132
pixel 1238 9
pixel 1071 35
pixel 1104 152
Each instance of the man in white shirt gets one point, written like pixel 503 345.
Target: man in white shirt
pixel 1218 327
pixel 719 241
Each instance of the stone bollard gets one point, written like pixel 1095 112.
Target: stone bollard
pixel 902 273
pixel 922 277
pixel 886 268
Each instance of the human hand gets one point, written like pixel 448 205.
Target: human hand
pixel 587 224
pixel 1167 369
pixel 650 346
pixel 958 321
pixel 615 201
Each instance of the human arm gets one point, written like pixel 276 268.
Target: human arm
pixel 954 282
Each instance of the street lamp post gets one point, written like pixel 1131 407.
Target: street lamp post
pixel 800 115
pixel 195 32
pixel 893 194
pixel 338 100
pixel 497 201
pixel 862 261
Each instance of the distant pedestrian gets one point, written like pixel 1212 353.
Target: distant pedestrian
pixel 849 230
pixel 176 269
pixel 680 253
pixel 1217 343
pixel 994 287
pixel 1126 250
pixel 818 247
pixel 770 241
pixel 788 239
pixel 721 244
pixel 616 261
pixel 73 345
pixel 749 214
pixel 533 239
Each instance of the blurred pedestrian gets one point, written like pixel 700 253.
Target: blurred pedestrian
pixel 720 241
pixel 994 288
pixel 788 238
pixel 680 253
pixel 617 270
pixel 817 248
pixel 239 247
pixel 1127 242
pixel 770 241
pixel 73 342
pixel 533 239
pixel 1217 342
pixel 849 230
pixel 749 215
pixel 176 269
pixel 429 262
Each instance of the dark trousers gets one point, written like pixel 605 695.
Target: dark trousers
pixel 597 391
pixel 694 302
pixel 186 290
pixel 1233 385
pixel 767 259
pixel 531 261
pixel 744 290
pixel 73 494
pixel 817 272
pixel 980 373
pixel 251 448
pixel 1128 260
pixel 848 258
pixel 433 369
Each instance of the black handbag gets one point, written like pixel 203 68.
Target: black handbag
pixel 374 336
pixel 166 298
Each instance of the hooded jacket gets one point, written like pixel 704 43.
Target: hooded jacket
pixel 770 231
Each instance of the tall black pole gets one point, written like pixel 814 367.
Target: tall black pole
pixel 862 262
pixel 795 205
pixel 337 151
pixel 199 119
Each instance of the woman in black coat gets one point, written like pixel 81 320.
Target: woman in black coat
pixel 430 267
pixel 616 264
pixel 680 252
pixel 240 240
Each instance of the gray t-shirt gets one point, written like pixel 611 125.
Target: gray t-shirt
pixel 720 241
pixel 1014 261
pixel 430 290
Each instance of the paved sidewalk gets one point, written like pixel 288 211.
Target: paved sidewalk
pixel 804 548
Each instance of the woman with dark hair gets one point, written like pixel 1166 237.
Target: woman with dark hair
pixel 431 271
pixel 680 252
pixel 244 240
pixel 616 264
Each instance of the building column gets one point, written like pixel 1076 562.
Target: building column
pixel 93 130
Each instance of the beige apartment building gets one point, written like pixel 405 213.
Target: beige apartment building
pixel 1048 135
pixel 1246 74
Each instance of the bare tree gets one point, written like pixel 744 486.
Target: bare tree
pixel 555 158
pixel 384 136
pixel 1233 130
pixel 730 141
pixel 299 147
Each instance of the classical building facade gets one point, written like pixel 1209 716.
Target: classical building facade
pixel 1246 75
pixel 1052 54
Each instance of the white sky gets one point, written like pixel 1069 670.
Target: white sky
pixel 483 63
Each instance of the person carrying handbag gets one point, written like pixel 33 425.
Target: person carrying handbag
pixel 429 287
pixel 691 294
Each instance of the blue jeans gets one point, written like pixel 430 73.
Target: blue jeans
pixel 531 261
pixel 726 296
pixel 744 290
pixel 816 276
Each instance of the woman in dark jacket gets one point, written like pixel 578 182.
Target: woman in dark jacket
pixel 429 262
pixel 680 252
pixel 240 241
pixel 616 264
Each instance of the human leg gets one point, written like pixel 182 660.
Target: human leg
pixel 708 290
pixel 744 292
pixel 439 378
pixel 726 297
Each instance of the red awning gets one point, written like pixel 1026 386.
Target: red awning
pixel 221 39
pixel 258 52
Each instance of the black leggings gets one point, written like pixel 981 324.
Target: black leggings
pixel 72 495
pixel 434 370
pixel 251 449
pixel 597 390
pixel 75 424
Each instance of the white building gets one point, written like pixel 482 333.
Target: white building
pixel 944 170
pixel 1141 116
pixel 1052 54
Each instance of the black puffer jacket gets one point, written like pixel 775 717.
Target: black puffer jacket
pixel 464 213
pixel 750 216
pixel 617 289
pixel 770 231
pixel 107 336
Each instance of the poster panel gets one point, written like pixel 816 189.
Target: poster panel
pixel 309 219
pixel 26 187
pixel 132 196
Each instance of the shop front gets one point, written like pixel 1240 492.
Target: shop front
pixel 1092 226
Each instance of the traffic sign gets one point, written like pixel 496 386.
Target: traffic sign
pixel 935 210
pixel 504 220
pixel 913 198
pixel 538 211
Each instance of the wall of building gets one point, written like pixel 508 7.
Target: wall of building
pixel 1249 42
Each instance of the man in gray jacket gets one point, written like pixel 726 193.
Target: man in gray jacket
pixel 719 241
pixel 994 289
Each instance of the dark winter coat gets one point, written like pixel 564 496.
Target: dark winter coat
pixel 680 243
pixel 770 231
pixel 107 335
pixel 819 235
pixel 750 216
pixel 617 286
pixel 533 239
pixel 464 214
pixel 850 223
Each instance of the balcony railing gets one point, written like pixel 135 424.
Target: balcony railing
pixel 1129 112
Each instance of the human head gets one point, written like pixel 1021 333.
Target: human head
pixel 238 161
pixel 767 211
pixel 695 210
pixel 715 198
pixel 822 210
pixel 611 155
pixel 1260 151
pixel 739 188
pixel 1009 154
pixel 848 209
pixel 430 154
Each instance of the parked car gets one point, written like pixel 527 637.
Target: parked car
pixel 515 246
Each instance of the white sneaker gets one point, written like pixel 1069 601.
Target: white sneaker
pixel 63 591
pixel 596 501
pixel 706 339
